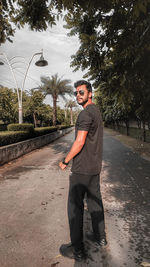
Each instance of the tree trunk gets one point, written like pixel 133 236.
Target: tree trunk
pixel 117 123
pixel 144 131
pixel 139 124
pixel 34 118
pixel 54 110
pixel 113 125
pixel 71 115
pixel 127 127
pixel 148 124
pixel 65 113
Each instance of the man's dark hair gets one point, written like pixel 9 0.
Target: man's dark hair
pixel 82 82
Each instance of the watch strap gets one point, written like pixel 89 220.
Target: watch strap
pixel 65 163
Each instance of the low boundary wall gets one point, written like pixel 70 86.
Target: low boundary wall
pixel 132 131
pixel 14 151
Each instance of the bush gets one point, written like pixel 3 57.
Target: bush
pixel 8 137
pixel 44 130
pixel 66 122
pixel 61 127
pixel 28 127
pixel 3 127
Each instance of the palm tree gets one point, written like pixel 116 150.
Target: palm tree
pixel 66 109
pixel 71 104
pixel 55 87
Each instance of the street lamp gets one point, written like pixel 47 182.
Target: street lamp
pixel 40 63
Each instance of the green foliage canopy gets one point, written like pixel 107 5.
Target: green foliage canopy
pixel 7 105
pixel 114 44
pixel 33 107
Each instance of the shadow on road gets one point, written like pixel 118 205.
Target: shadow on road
pixel 125 189
pixel 128 183
pixel 63 144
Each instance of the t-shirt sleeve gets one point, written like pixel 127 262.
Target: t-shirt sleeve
pixel 84 121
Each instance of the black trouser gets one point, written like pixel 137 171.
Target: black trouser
pixel 79 185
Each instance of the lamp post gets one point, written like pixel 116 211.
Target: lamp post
pixel 40 63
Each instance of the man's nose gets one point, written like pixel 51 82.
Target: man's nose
pixel 78 93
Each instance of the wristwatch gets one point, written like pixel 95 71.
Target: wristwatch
pixel 66 163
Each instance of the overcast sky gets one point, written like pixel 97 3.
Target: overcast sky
pixel 57 49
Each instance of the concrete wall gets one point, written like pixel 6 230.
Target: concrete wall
pixel 13 151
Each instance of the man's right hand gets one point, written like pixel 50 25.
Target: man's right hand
pixel 62 166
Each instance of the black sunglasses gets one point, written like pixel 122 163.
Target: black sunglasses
pixel 81 92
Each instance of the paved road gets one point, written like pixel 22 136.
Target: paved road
pixel 33 216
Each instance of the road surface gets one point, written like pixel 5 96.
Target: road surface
pixel 33 208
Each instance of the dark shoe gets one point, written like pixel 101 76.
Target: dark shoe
pixel 67 250
pixel 80 255
pixel 99 242
pixel 102 242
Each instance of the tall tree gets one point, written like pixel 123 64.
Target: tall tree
pixel 114 40
pixel 55 87
pixel 60 115
pixel 114 49
pixel 8 100
pixel 35 111
pixel 71 104
pixel 35 105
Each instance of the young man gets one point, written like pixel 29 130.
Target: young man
pixel 86 153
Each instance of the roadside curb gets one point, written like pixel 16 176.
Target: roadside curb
pixel 14 151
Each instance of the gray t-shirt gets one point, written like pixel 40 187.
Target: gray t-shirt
pixel 89 159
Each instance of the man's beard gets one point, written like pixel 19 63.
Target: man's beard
pixel 83 103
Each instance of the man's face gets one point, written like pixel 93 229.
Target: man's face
pixel 82 94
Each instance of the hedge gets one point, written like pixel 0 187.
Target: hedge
pixel 3 127
pixel 44 130
pixel 28 127
pixel 10 137
pixel 61 127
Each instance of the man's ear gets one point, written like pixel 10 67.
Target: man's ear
pixel 90 95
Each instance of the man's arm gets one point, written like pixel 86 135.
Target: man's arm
pixel 76 147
